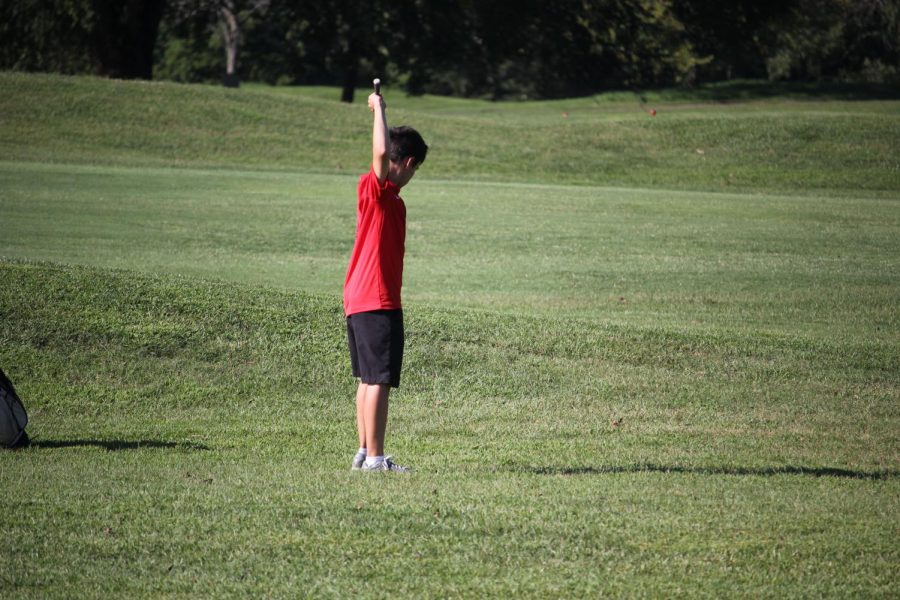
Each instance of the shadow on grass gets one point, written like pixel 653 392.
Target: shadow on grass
pixel 745 90
pixel 757 472
pixel 750 90
pixel 117 445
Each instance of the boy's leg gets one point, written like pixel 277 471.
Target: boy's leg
pixel 375 414
pixel 360 413
pixel 359 458
pixel 376 349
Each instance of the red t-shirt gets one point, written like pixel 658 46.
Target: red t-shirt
pixel 375 273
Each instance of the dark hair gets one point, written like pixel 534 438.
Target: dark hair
pixel 406 141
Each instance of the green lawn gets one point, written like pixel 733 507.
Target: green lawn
pixel 632 369
pixel 820 266
pixel 800 144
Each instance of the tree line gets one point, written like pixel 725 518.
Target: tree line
pixel 489 48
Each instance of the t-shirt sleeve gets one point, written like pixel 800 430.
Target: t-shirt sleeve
pixel 369 188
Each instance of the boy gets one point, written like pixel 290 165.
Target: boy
pixel 374 277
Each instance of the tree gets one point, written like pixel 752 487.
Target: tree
pixel 224 18
pixel 231 34
pixel 734 35
pixel 114 39
pixel 530 48
pixel 123 35
pixel 837 40
pixel 347 34
pixel 44 36
pixel 590 46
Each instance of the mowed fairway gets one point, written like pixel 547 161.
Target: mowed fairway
pixel 644 357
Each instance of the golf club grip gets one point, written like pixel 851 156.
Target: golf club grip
pixel 377 83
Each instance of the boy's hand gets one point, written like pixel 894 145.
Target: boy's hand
pixel 376 101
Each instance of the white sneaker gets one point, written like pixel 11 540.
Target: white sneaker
pixel 386 465
pixel 358 461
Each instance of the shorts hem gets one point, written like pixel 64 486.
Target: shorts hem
pixel 370 382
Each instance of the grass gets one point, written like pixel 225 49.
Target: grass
pixel 788 145
pixel 640 385
pixel 804 265
pixel 192 438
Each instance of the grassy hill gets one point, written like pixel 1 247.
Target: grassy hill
pixel 764 144
pixel 677 378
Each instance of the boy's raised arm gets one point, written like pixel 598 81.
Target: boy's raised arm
pixel 381 149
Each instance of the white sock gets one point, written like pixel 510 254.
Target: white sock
pixel 374 460
pixel 361 452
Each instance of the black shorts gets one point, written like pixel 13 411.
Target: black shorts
pixel 376 346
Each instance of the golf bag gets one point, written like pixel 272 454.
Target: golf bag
pixel 13 417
